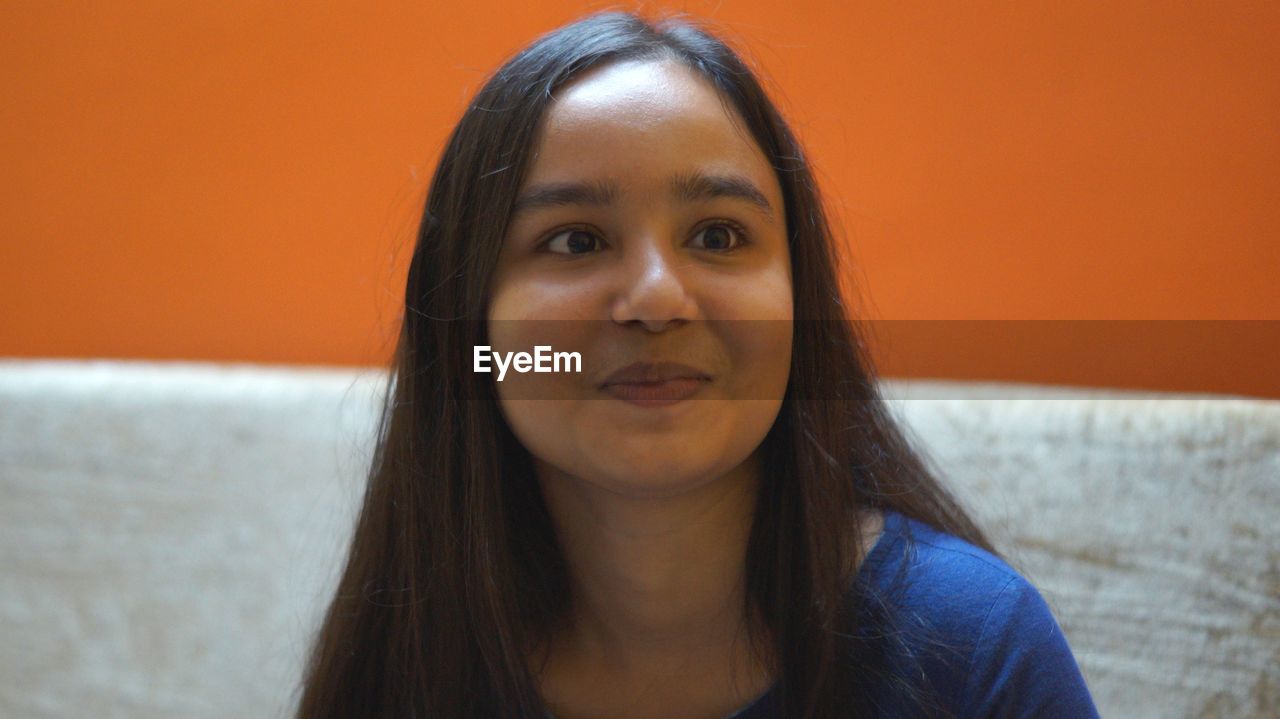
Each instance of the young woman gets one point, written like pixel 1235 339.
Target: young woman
pixel 714 515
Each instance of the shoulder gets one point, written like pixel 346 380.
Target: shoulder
pixel 940 577
pixel 976 629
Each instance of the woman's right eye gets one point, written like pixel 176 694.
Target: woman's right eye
pixel 572 242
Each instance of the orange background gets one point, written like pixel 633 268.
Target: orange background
pixel 241 181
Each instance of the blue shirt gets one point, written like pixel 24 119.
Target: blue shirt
pixel 1006 655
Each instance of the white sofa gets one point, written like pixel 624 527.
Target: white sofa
pixel 170 531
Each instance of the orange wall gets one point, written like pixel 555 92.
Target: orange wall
pixel 240 181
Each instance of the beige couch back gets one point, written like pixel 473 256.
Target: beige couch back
pixel 170 532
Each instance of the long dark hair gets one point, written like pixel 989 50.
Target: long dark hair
pixel 454 571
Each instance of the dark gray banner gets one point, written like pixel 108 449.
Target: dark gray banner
pixel 652 365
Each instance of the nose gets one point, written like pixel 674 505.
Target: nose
pixel 653 288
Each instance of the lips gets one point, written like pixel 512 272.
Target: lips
pixel 655 384
pixel 654 373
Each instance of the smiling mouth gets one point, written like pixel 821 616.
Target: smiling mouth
pixel 656 394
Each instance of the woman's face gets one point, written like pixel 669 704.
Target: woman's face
pixel 650 229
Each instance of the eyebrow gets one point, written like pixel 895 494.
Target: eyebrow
pixel 685 187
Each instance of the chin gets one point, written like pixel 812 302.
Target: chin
pixel 668 477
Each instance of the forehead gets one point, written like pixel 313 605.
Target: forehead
pixel 638 122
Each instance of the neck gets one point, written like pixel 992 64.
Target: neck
pixel 654 579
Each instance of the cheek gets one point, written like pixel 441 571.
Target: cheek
pixel 524 291
pixel 540 407
pixel 760 355
pixel 757 334
pixel 760 292
pixel 527 312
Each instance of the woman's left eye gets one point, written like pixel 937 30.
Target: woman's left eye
pixel 722 237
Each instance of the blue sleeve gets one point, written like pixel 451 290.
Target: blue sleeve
pixel 1021 665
